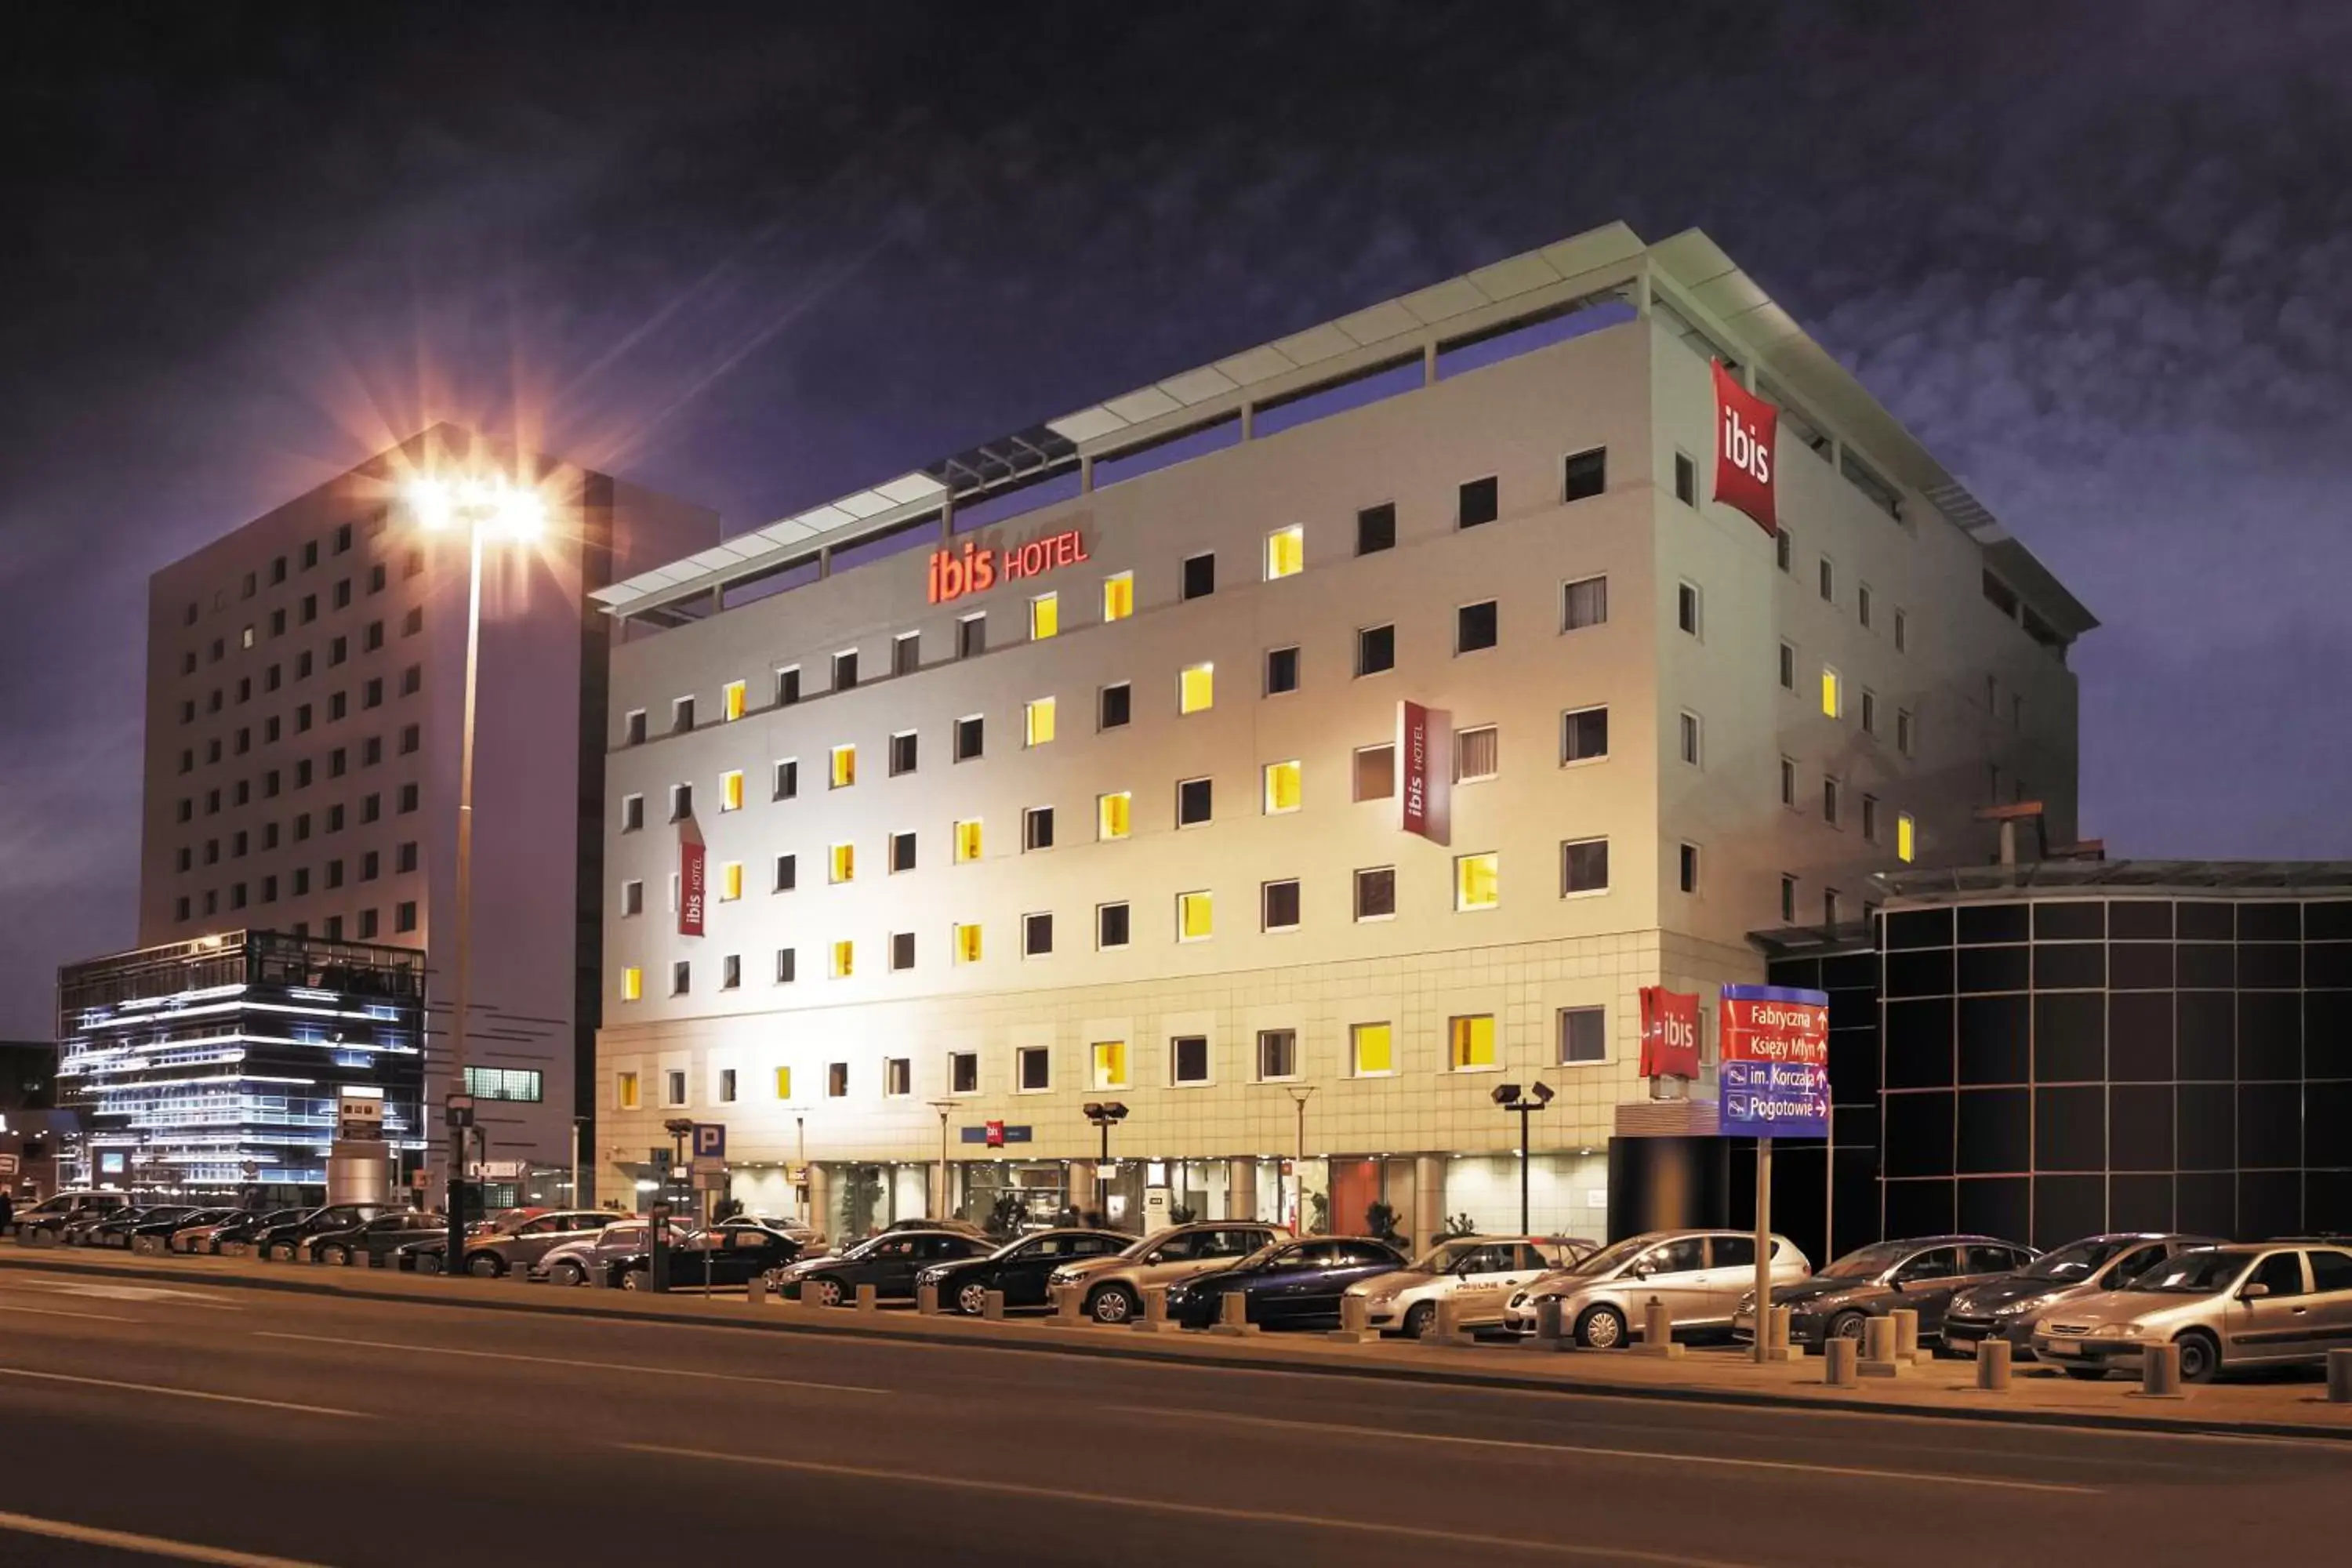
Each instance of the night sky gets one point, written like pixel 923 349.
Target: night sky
pixel 2099 257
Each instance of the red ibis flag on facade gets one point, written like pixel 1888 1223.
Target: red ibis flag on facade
pixel 1424 772
pixel 693 882
pixel 1669 1033
pixel 1745 430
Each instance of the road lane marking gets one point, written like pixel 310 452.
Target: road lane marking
pixel 184 1393
pixel 1586 1451
pixel 564 1361
pixel 62 1312
pixel 150 1293
pixel 150 1545
pixel 1207 1510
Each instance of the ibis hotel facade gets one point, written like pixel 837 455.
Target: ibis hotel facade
pixel 1253 775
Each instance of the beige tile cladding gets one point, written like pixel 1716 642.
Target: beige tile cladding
pixel 1421 1108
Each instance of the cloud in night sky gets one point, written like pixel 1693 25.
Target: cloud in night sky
pixel 2099 257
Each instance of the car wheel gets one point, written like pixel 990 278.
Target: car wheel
pixel 1111 1304
pixel 2200 1358
pixel 828 1289
pixel 484 1266
pixel 972 1300
pixel 1849 1326
pixel 635 1280
pixel 333 1256
pixel 428 1263
pixel 1600 1328
pixel 1419 1320
pixel 2087 1373
pixel 566 1272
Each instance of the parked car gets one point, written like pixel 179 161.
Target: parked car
pixel 504 1247
pixel 154 1235
pixel 1922 1274
pixel 2009 1306
pixel 1700 1276
pixel 2225 1307
pixel 888 1262
pixel 1115 1284
pixel 1021 1268
pixel 1478 1273
pixel 574 1262
pixel 278 1243
pixel 43 1221
pixel 235 1233
pixel 369 1244
pixel 1290 1284
pixel 116 1228
pixel 80 1226
pixel 963 1226
pixel 735 1256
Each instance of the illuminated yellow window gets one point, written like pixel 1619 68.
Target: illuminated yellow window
pixel 1371 1048
pixel 967 840
pixel 1194 919
pixel 1118 597
pixel 1112 814
pixel 731 700
pixel 1109 1064
pixel 1833 693
pixel 784 1083
pixel 845 862
pixel 967 944
pixel 730 792
pixel 1281 786
pixel 731 879
pixel 633 983
pixel 1473 1041
pixel 845 766
pixel 844 959
pixel 624 1090
pixel 1906 840
pixel 1197 688
pixel 1286 551
pixel 1045 616
pixel 1039 725
pixel 1475 879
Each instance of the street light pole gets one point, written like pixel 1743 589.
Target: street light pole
pixel 1104 1114
pixel 1300 1097
pixel 944 1107
pixel 1508 1096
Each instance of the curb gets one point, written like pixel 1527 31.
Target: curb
pixel 1111 1348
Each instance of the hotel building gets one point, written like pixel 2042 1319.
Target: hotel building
pixel 305 704
pixel 1291 752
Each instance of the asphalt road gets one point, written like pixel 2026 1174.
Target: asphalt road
pixel 253 1429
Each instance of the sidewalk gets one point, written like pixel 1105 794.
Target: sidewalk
pixel 2272 1406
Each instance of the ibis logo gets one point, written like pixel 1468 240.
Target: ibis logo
pixel 1745 426
pixel 976 568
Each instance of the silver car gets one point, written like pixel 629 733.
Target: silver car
pixel 2225 1307
pixel 2009 1305
pixel 1478 1273
pixel 583 1257
pixel 1113 1286
pixel 1700 1275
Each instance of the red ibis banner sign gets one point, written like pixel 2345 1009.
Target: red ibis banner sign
pixel 1669 1033
pixel 977 567
pixel 1745 430
pixel 693 882
pixel 1424 772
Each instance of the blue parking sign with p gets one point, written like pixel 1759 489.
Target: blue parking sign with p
pixel 710 1141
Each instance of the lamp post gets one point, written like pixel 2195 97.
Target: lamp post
pixel 1299 1095
pixel 1106 1115
pixel 944 1107
pixel 1538 1097
pixel 498 509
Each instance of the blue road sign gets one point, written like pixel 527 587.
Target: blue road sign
pixel 710 1139
pixel 1774 1099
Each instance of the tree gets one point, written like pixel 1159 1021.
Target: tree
pixel 1379 1220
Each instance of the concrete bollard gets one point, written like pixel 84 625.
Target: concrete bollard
pixel 1232 1316
pixel 1355 1322
pixel 926 1301
pixel 1448 1329
pixel 991 1307
pixel 1069 1303
pixel 1841 1363
pixel 1992 1364
pixel 2339 1377
pixel 868 1300
pixel 1907 1333
pixel 1878 1357
pixel 1155 1312
pixel 755 1290
pixel 1658 1330
pixel 1778 1345
pixel 1551 1328
pixel 2159 1373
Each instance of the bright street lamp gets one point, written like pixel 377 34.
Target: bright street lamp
pixel 1508 1096
pixel 493 508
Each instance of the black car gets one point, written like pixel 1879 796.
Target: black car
pixel 888 1262
pixel 1022 1269
pixel 1291 1284
pixel 116 1230
pixel 369 1244
pixel 1922 1274
pixel 2009 1306
pixel 235 1236
pixel 735 1256
pixel 280 1243
pixel 155 1232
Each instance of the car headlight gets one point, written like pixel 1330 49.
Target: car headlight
pixel 2118 1331
pixel 2022 1304
pixel 1064 1276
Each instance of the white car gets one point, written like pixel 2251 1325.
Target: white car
pixel 1698 1275
pixel 1479 1273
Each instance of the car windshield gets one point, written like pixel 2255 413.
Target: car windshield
pixel 1446 1257
pixel 1614 1256
pixel 1261 1258
pixel 1867 1262
pixel 2079 1261
pixel 2194 1273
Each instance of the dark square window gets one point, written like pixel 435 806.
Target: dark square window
pixel 970 739
pixel 844 670
pixel 2206 1036
pixel 2143 919
pixel 1686 480
pixel 1281 905
pixel 1584 865
pixel 1110 926
pixel 963 1072
pixel 1193 801
pixel 902 754
pixel 2270 1036
pixel 1376 529
pixel 2070 1131
pixel 2070 1038
pixel 1375 649
pixel 1978 923
pixel 972 637
pixel 2139 1037
pixel 1990 969
pixel 2140 966
pixel 1474 626
pixel 2206 965
pixel 1118 705
pixel 1919 973
pixel 1036 935
pixel 1281 670
pixel 1917 1142
pixel 2069 919
pixel 1200 576
pixel 1919 1044
pixel 1188 1058
pixel 902 950
pixel 1584 735
pixel 787 965
pixel 1587 474
pixel 1996 1040
pixel 902 852
pixel 1995 1131
pixel 2205 922
pixel 2139 1126
pixel 788 873
pixel 1480 502
pixel 1376 893
pixel 2066 966
pixel 1037 828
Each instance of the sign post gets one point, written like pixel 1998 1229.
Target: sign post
pixel 1775 1083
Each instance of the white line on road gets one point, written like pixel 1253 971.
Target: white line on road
pixel 664 1371
pixel 152 1545
pixel 61 1312
pixel 1585 1451
pixel 1449 1537
pixel 184 1393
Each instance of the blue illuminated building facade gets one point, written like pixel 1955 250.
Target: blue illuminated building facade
pixel 216 1066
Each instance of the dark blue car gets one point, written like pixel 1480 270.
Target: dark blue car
pixel 1291 1284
